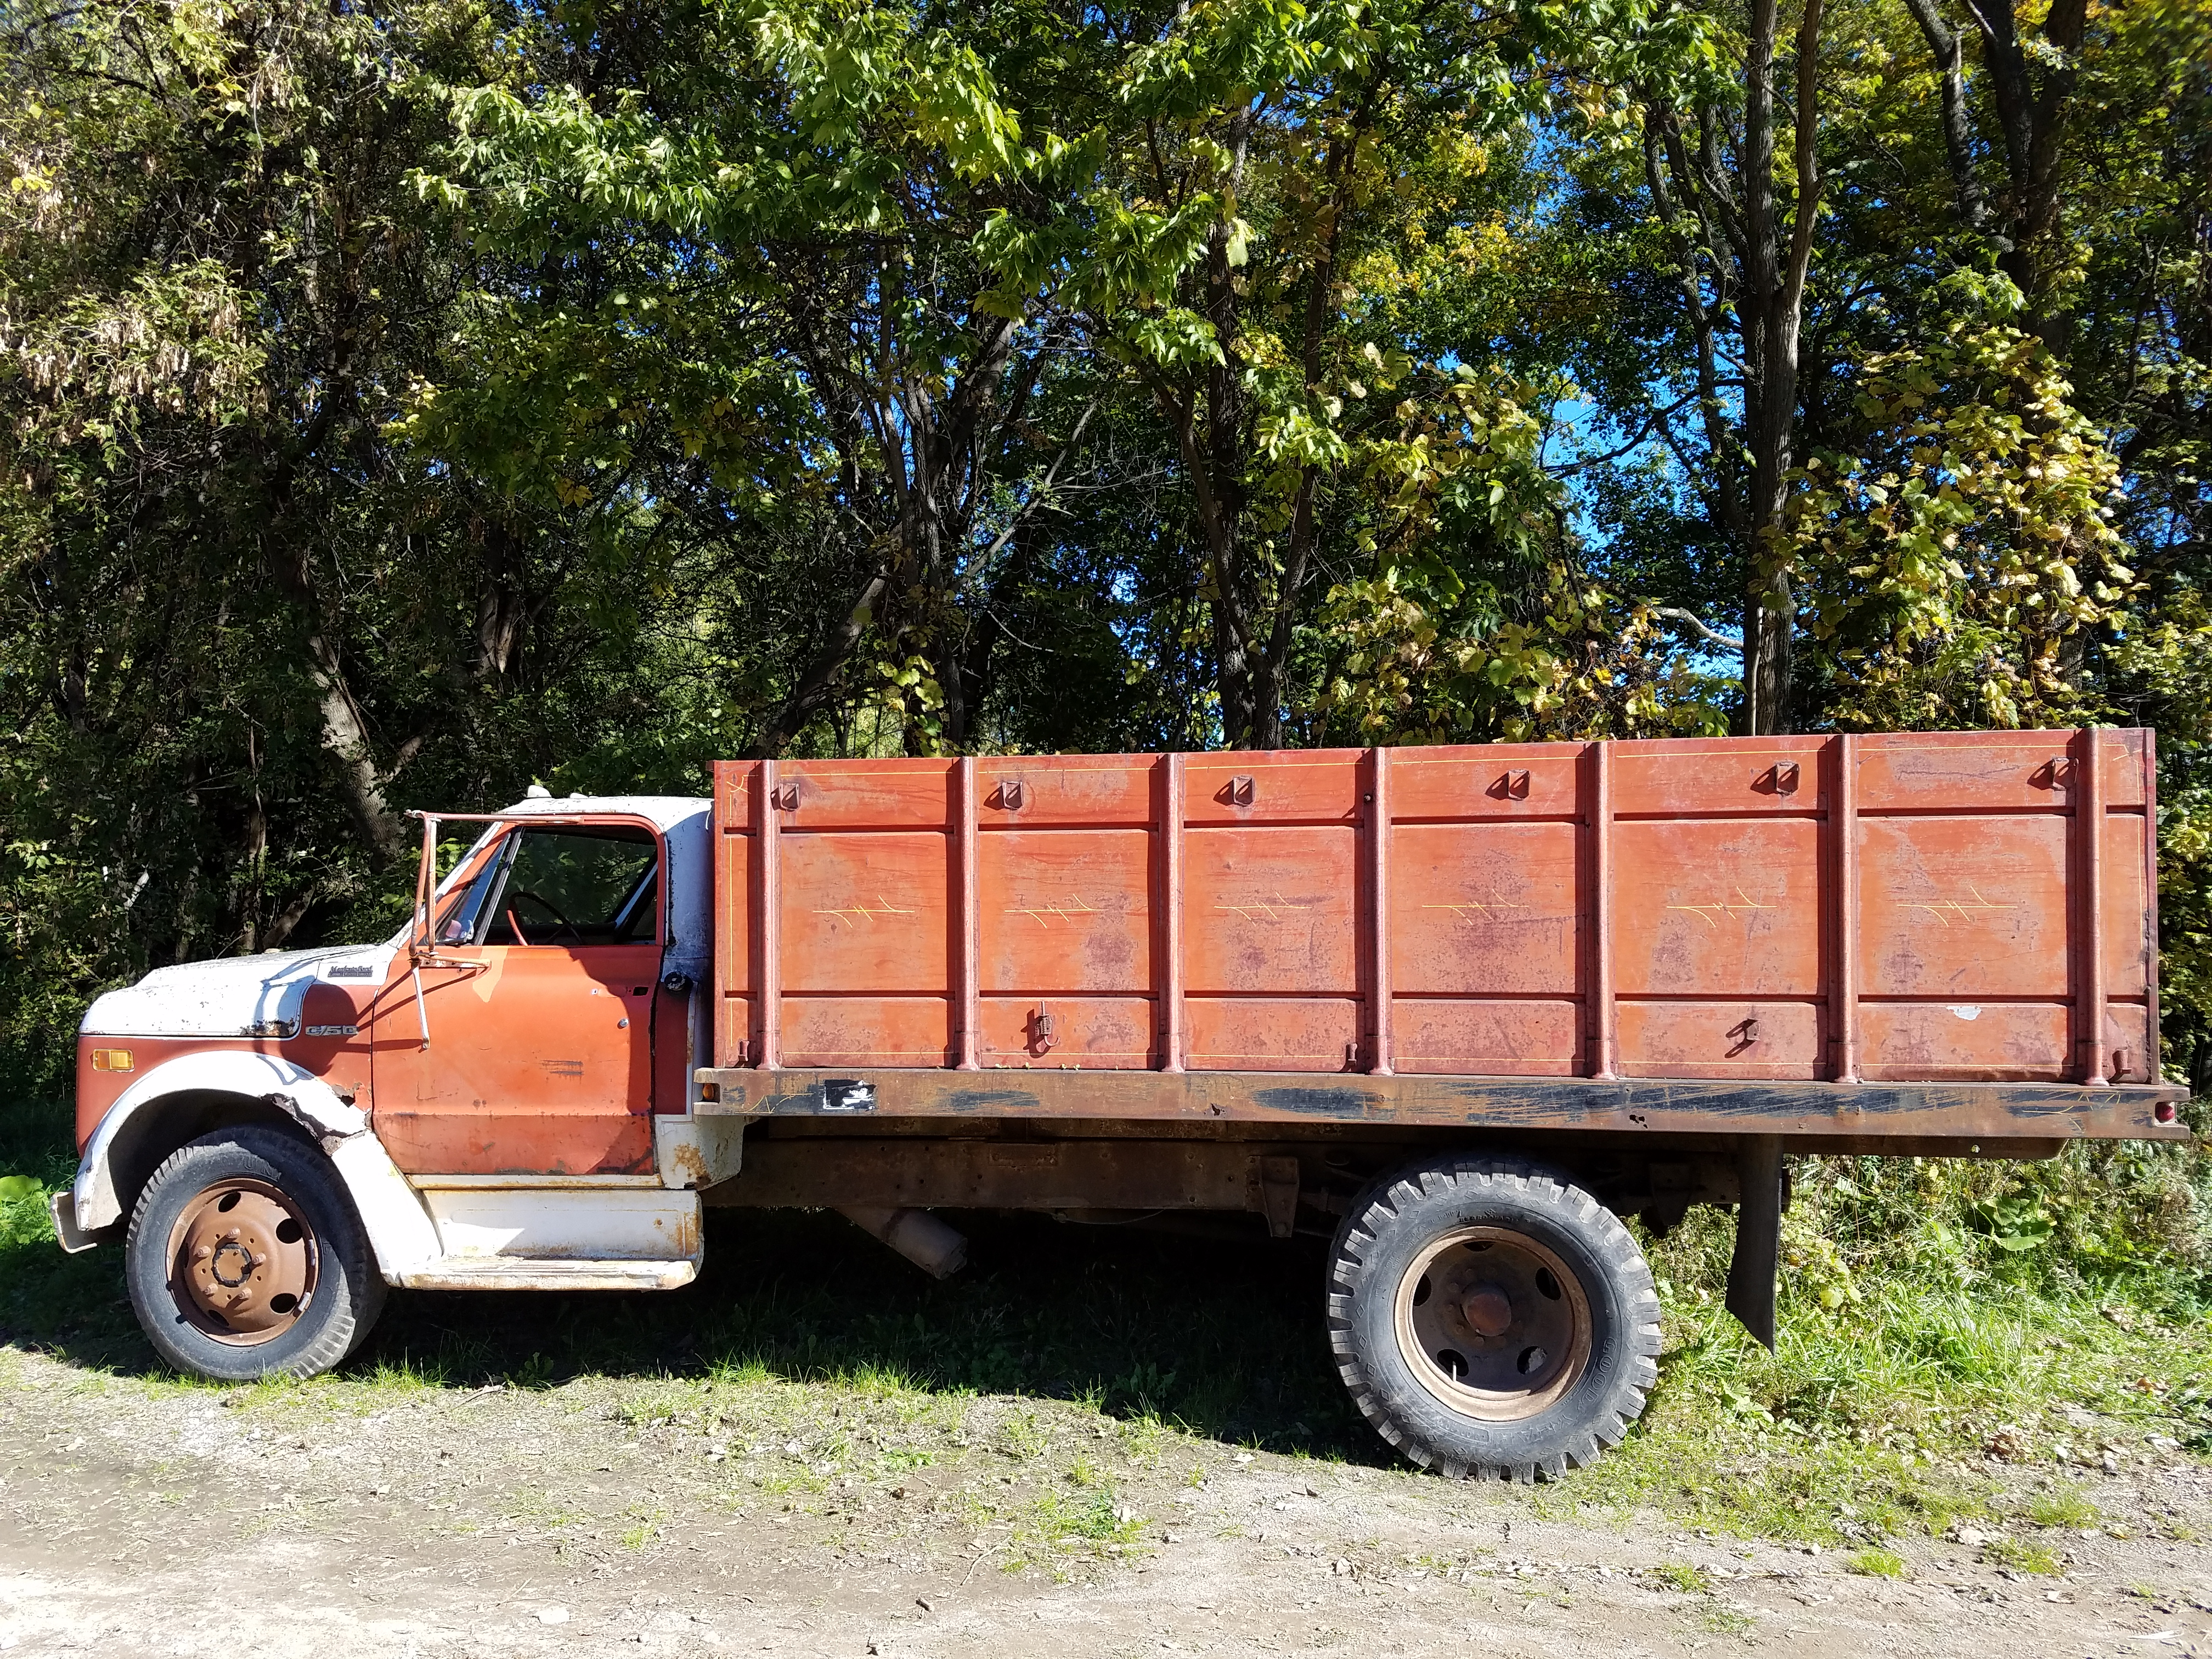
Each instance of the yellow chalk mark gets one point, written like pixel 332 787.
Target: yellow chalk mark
pixel 1965 909
pixel 1042 912
pixel 1268 908
pixel 882 907
pixel 1468 908
pixel 1709 913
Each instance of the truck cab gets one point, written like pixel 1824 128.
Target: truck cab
pixel 499 1089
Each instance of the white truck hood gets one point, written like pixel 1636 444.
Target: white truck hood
pixel 232 996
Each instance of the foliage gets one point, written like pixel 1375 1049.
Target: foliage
pixel 404 403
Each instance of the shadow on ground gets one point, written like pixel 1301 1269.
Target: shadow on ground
pixel 1222 1336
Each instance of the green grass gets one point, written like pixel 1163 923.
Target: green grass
pixel 1914 1338
pixel 1876 1564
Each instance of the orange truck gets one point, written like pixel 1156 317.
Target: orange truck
pixel 1458 1010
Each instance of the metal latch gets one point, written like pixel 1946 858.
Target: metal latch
pixel 1240 791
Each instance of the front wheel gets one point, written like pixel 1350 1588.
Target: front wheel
pixel 1491 1319
pixel 244 1258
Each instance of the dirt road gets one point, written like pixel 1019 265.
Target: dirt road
pixel 743 1513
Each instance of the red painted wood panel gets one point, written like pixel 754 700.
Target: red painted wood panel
pixel 1966 1040
pixel 1773 1040
pixel 1066 910
pixel 1479 908
pixel 1487 780
pixel 1988 771
pixel 866 912
pixel 1273 1033
pixel 1025 792
pixel 874 794
pixel 1761 776
pixel 1964 908
pixel 1718 907
pixel 1116 1032
pixel 1287 786
pixel 1486 1037
pixel 866 1030
pixel 1271 909
pixel 2131 943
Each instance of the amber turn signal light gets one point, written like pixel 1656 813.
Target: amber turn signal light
pixel 111 1060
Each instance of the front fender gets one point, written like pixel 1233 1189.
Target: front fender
pixel 399 1229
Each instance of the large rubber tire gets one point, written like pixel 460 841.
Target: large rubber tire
pixel 1595 1290
pixel 332 1319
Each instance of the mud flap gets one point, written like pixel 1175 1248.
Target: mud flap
pixel 1757 1261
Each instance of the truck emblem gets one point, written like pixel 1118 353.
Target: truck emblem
pixel 334 1030
pixel 361 972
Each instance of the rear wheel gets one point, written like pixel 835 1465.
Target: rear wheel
pixel 1491 1318
pixel 244 1258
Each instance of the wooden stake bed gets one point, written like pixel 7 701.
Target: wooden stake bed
pixel 1948 933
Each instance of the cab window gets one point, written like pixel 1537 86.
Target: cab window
pixel 561 886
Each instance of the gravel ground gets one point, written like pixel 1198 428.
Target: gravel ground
pixel 357 1519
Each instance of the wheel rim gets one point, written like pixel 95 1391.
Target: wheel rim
pixel 242 1262
pixel 1493 1324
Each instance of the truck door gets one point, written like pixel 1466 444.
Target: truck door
pixel 538 999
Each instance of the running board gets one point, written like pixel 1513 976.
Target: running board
pixel 522 1273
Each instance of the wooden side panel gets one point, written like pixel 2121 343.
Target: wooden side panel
pixel 1720 1039
pixel 1271 910
pixel 1480 909
pixel 1963 907
pixel 2130 940
pixel 1029 791
pixel 1669 909
pixel 873 794
pixel 1270 1034
pixel 1966 1040
pixel 867 1031
pixel 1318 785
pixel 1488 1036
pixel 736 851
pixel 1048 1030
pixel 1065 910
pixel 1988 771
pixel 1727 907
pixel 865 912
pixel 1668 776
pixel 1489 780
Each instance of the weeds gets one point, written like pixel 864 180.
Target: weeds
pixel 2063 1507
pixel 1876 1564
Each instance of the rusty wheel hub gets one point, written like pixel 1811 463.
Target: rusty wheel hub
pixel 1493 1324
pixel 242 1262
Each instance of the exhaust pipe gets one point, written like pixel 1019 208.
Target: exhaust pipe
pixel 937 1249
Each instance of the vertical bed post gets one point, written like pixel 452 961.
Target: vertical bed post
pixel 1843 827
pixel 767 901
pixel 2088 805
pixel 967 966
pixel 1599 1003
pixel 1169 976
pixel 2153 1068
pixel 1378 913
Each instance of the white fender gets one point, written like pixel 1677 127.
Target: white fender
pixel 399 1229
